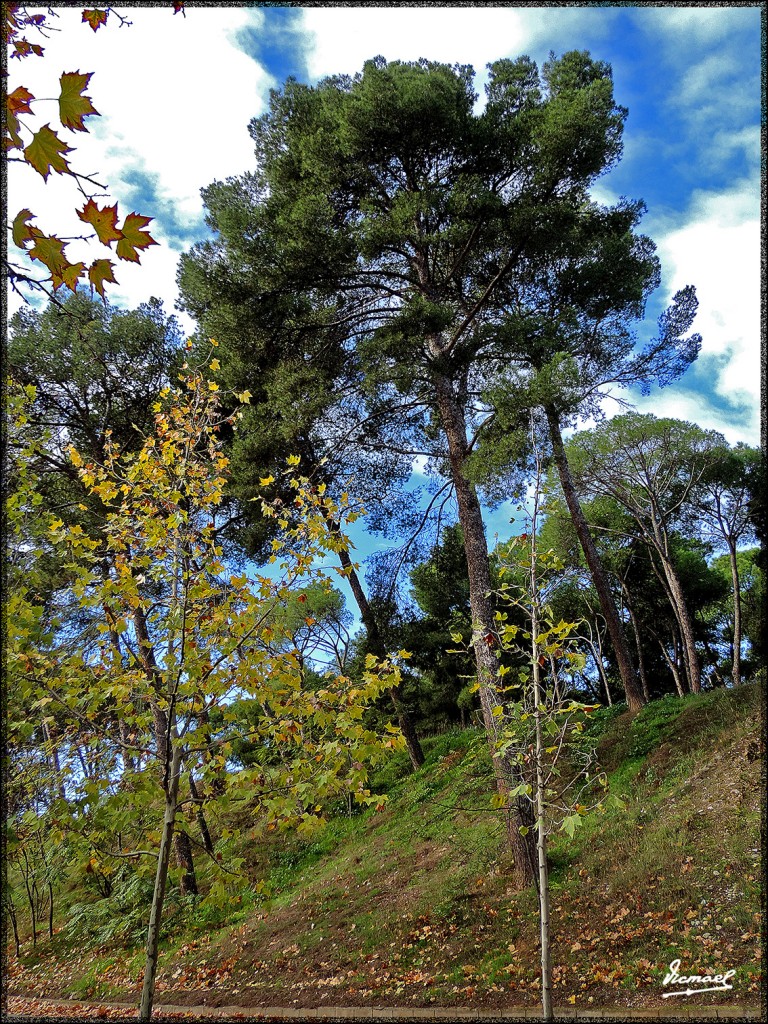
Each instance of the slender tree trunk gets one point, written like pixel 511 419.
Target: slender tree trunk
pixel 129 761
pixel 638 643
pixel 161 879
pixel 378 648
pixel 185 860
pixel 736 613
pixel 596 647
pixel 14 923
pixel 633 692
pixel 200 815
pixel 690 654
pixel 30 897
pixel 712 655
pixel 541 834
pixel 484 627
pixel 673 665
pixel 54 759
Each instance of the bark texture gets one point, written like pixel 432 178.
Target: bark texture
pixel 483 625
pixel 632 689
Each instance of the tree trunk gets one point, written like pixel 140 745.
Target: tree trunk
pixel 14 923
pixel 185 860
pixel 638 643
pixel 541 837
pixel 54 759
pixel 634 694
pixel 30 898
pixel 483 626
pixel 712 655
pixel 200 815
pixel 378 648
pixel 672 663
pixel 736 614
pixel 690 654
pixel 161 879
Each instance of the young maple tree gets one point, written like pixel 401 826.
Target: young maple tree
pixel 538 720
pixel 43 149
pixel 181 638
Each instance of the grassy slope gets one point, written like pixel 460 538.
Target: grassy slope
pixel 412 906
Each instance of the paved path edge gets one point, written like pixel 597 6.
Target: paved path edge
pixel 433 1013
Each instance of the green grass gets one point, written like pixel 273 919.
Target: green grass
pixel 424 885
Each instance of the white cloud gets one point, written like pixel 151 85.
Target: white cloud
pixel 344 37
pixel 681 405
pixel 674 26
pixel 718 250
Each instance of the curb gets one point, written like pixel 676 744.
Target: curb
pixel 384 1015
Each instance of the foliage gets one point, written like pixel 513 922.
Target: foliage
pixel 45 151
pixel 179 638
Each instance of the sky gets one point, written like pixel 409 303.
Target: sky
pixel 176 94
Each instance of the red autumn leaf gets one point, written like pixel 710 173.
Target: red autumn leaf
pixel 73 106
pixel 179 7
pixel 100 273
pixel 103 221
pixel 95 18
pixel 134 238
pixel 23 232
pixel 46 152
pixel 18 101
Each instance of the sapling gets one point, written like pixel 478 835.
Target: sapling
pixel 538 719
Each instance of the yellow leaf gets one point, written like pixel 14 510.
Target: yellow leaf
pixel 46 152
pixel 265 481
pixel 213 386
pixel 244 397
pixel 22 231
pixel 214 365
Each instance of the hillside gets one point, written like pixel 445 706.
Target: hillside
pixel 411 906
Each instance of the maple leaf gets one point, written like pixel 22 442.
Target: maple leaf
pixel 73 106
pixel 23 232
pixel 95 18
pixel 134 238
pixel 179 7
pixel 23 48
pixel 49 250
pixel 103 221
pixel 12 139
pixel 46 151
pixel 18 101
pixel 99 273
pixel 70 276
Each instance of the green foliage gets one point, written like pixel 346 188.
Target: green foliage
pixel 120 917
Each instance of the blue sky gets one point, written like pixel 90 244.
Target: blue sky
pixel 690 77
